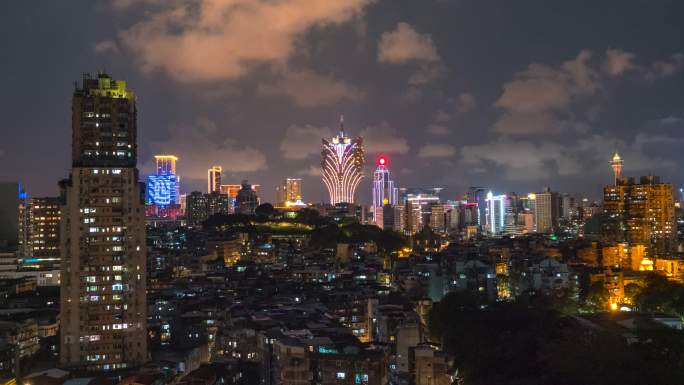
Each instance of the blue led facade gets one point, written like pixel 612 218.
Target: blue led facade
pixel 22 192
pixel 162 190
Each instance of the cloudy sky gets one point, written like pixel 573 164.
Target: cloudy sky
pixel 510 95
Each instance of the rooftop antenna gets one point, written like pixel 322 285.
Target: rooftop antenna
pixel 341 125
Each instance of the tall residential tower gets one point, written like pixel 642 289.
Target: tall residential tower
pixel 288 192
pixel 102 233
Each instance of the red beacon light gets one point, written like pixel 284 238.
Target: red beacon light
pixel 382 161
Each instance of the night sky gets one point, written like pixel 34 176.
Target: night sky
pixel 513 95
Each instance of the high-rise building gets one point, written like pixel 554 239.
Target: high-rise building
pixel 232 190
pixel 289 191
pixel 199 207
pixel 12 196
pixel 388 219
pixel 214 179
pixel 496 213
pixel 546 210
pixel 568 209
pixel 399 217
pixel 43 233
pixel 513 224
pixel 438 217
pixel 342 166
pixel 641 214
pixel 196 208
pixel 166 164
pixel 616 164
pixel 218 203
pixel 478 195
pixel 163 188
pixel 418 210
pixel 384 192
pixel 247 200
pixel 103 322
pixel 24 228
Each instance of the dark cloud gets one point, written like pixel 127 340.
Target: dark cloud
pixel 302 142
pixel 384 139
pixel 456 91
pixel 201 145
pixel 437 150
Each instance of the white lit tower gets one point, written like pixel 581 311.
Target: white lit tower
pixel 342 166
pixel 496 213
pixel 384 192
pixel 616 164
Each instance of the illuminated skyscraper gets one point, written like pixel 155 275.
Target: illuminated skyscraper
pixel 342 166
pixel 166 164
pixel 616 163
pixel 163 188
pixel 214 179
pixel 384 192
pixel 496 213
pixel 478 195
pixel 103 321
pixel 546 210
pixel 231 190
pixel 418 210
pixel 641 214
pixel 289 191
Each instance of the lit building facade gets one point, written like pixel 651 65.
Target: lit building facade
pixel 640 214
pixel 166 164
pixel 214 179
pixel 231 190
pixel 384 192
pixel 163 188
pixel 289 192
pixel 43 233
pixel 199 207
pixel 342 167
pixel 616 164
pixel 496 213
pixel 196 208
pixel 419 210
pixel 103 321
pixel 546 210
pixel 478 195
pixel 438 217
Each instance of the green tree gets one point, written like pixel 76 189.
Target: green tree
pixel 597 298
pixel 660 295
pixel 632 291
pixel 265 210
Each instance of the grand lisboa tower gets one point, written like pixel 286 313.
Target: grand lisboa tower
pixel 342 166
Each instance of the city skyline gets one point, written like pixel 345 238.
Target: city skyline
pixel 429 96
pixel 503 203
